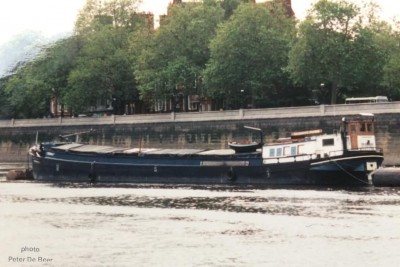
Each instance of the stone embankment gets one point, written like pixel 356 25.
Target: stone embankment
pixel 198 129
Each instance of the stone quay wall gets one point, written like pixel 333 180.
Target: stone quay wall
pixel 198 130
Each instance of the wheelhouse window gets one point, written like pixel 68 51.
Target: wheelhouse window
pixel 328 142
pixel 293 151
pixel 370 128
pixel 279 152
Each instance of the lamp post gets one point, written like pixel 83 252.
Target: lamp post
pixel 322 85
pixel 242 98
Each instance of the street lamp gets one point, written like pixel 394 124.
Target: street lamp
pixel 242 98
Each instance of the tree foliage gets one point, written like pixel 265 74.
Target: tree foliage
pixel 335 49
pixel 37 81
pixel 104 69
pixel 237 52
pixel 389 43
pixel 102 72
pixel 173 58
pixel 27 92
pixel 95 14
pixel 249 54
pixel 230 5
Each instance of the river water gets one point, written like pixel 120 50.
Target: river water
pixel 142 225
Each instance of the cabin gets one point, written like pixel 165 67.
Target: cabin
pixel 303 146
pixel 356 134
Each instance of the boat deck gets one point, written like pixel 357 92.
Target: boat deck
pixel 81 148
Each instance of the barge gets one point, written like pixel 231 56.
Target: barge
pixel 342 158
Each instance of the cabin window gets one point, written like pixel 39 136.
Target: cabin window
pixel 369 127
pixel 272 152
pixel 362 127
pixel 293 151
pixel 353 128
pixel 279 152
pixel 328 142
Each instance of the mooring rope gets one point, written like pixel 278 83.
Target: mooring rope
pixel 350 174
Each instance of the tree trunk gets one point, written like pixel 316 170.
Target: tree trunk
pixel 334 92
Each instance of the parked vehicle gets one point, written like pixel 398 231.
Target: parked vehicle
pixel 372 99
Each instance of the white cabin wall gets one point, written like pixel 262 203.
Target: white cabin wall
pixel 329 150
pixel 309 147
pixel 366 142
pixel 363 142
pixel 301 148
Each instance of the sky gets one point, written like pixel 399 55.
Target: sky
pixel 54 17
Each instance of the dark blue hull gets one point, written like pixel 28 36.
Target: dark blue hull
pixel 236 169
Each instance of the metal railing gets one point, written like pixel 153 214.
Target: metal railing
pixel 241 114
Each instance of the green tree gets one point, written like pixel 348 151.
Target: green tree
pixel 387 36
pixel 95 14
pixel 4 105
pixel 335 49
pixel 57 63
pixel 249 54
pixel 43 78
pixel 24 85
pixel 392 68
pixel 26 92
pixel 103 73
pixel 172 59
pixel 230 5
pixel 80 71
pixel 363 71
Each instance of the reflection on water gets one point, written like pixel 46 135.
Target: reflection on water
pixel 142 225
